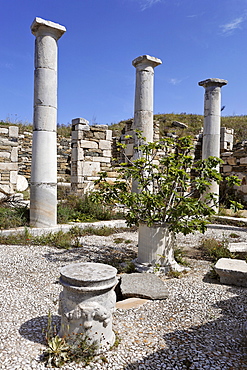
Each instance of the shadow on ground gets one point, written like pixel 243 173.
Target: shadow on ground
pixel 218 344
pixel 34 329
pixel 106 254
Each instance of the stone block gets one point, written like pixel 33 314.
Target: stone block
pixel 13 131
pixel 101 159
pixel 4 131
pixel 14 154
pixel 81 121
pixel 243 160
pixel 143 286
pixel 232 271
pixel 227 168
pixel 238 247
pixel 88 144
pixel 108 135
pixel 99 135
pixel 99 127
pixel 107 153
pixel 5 155
pixel 90 168
pixel 8 166
pixel 105 145
pixel 231 161
pixel 13 177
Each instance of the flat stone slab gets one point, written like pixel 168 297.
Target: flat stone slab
pixel 143 286
pixel 238 247
pixel 232 271
pixel 131 303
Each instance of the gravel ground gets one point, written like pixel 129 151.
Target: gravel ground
pixel 199 326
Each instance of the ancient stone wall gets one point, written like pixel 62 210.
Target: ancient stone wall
pixel 8 159
pixel 92 149
pixel 91 154
pixel 235 163
pixel 63 156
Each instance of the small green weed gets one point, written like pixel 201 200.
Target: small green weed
pixel 59 351
pixel 59 239
pixel 11 217
pixel 234 235
pixel 174 274
pixel 119 240
pixel 214 249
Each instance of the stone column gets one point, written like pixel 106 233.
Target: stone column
pixel 87 302
pixel 43 197
pixel 211 127
pixel 143 117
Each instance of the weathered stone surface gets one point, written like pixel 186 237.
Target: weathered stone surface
pixel 13 131
pixel 143 285
pixel 131 303
pixel 21 183
pixel 232 271
pixel 237 247
pixel 87 301
pixel 88 144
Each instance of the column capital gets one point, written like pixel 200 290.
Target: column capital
pixel 42 27
pixel 213 82
pixel 146 59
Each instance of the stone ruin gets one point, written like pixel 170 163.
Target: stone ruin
pixel 92 149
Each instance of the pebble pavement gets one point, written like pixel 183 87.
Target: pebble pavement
pixel 199 326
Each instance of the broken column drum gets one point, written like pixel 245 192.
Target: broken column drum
pixel 211 127
pixel 43 197
pixel 87 302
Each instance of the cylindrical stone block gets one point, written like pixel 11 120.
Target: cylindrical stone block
pixel 45 88
pixel 45 118
pixel 44 161
pixel 43 202
pixel 46 52
pixel 87 302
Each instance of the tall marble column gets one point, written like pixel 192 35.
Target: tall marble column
pixel 143 117
pixel 144 91
pixel 211 127
pixel 43 197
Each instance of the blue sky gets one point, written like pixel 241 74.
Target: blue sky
pixel 195 39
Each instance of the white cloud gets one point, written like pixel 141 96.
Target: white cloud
pixel 145 4
pixel 228 28
pixel 174 81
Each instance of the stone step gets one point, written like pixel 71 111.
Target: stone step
pixel 232 271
